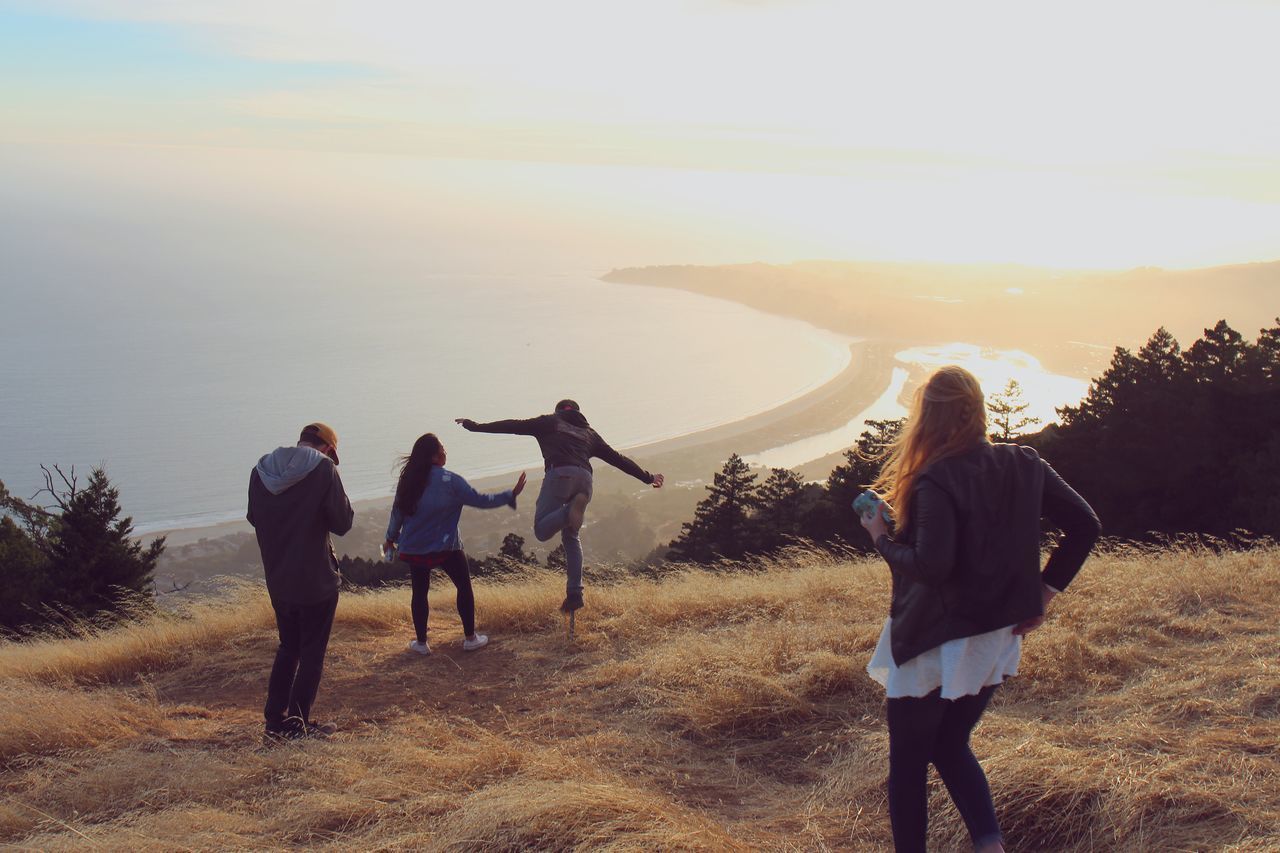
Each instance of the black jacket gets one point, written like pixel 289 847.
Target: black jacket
pixel 969 561
pixel 565 438
pixel 293 530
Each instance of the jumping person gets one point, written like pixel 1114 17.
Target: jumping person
pixel 296 500
pixel 967 585
pixel 424 527
pixel 567 442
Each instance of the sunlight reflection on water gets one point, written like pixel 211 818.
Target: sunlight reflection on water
pixel 1041 390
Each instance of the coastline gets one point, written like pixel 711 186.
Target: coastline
pixel 691 456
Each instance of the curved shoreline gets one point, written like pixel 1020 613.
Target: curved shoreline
pixel 821 410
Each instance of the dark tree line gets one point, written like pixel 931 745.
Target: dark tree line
pixel 1168 441
pixel 1178 441
pixel 740 517
pixel 73 557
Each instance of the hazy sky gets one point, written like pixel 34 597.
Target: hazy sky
pixel 503 135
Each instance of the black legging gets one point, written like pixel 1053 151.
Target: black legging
pixel 455 566
pixel 934 730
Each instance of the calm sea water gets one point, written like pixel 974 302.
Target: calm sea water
pixel 179 392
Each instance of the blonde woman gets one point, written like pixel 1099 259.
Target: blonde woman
pixel 967 584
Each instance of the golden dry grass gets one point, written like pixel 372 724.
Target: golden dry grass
pixel 708 711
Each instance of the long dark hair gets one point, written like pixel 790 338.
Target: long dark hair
pixel 414 471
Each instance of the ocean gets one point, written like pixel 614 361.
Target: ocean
pixel 179 390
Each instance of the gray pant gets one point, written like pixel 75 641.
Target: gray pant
pixel 559 485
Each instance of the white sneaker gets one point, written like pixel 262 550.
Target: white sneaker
pixel 479 641
pixel 420 648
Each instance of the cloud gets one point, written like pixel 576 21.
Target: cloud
pixel 1095 81
pixel 1055 109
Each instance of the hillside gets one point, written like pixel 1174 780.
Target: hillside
pixel 703 712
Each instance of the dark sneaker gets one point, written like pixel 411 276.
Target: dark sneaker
pixel 320 730
pixel 577 511
pixel 572 602
pixel 290 728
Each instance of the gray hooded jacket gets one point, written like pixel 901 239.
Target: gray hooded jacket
pixel 296 500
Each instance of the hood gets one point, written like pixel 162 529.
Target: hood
pixel 576 418
pixel 287 466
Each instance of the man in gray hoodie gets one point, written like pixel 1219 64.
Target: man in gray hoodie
pixel 296 500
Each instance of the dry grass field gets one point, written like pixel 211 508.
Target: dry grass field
pixel 702 712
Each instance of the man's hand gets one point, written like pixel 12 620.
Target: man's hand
pixel 1023 628
pixel 658 480
pixel 519 486
pixel 466 423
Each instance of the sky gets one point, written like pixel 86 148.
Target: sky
pixel 509 136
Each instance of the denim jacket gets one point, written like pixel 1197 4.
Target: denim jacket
pixel 434 526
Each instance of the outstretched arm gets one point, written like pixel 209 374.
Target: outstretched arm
pixel 514 426
pixel 624 463
pixel 465 494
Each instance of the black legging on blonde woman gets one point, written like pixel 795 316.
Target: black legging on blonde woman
pixel 931 730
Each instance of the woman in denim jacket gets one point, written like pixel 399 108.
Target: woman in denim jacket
pixel 424 528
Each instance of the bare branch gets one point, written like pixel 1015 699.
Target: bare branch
pixel 174 586
pixel 61 497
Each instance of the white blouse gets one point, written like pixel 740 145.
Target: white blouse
pixel 960 667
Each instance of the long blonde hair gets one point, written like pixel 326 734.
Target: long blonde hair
pixel 948 416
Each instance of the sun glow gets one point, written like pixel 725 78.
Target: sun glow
pixel 1103 135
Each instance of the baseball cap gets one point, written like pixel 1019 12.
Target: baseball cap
pixel 567 405
pixel 322 433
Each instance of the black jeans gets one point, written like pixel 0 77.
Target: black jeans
pixel 455 566
pixel 295 676
pixel 934 730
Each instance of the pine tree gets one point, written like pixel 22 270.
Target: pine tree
pixel 1268 349
pixel 721 522
pixel 1218 354
pixel 24 576
pixel 512 549
pixel 779 516
pixel 94 563
pixel 1161 358
pixel 832 519
pixel 1006 407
